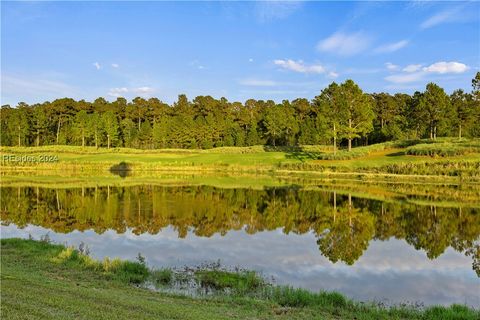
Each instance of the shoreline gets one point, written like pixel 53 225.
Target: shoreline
pixel 60 270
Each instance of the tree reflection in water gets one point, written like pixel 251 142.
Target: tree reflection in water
pixel 344 225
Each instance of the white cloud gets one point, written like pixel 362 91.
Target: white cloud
pixel 406 78
pixel 117 92
pixel 345 44
pixel 97 65
pixel 250 60
pixel 415 72
pixel 332 74
pixel 143 90
pixel 390 66
pixel 412 68
pixel 123 91
pixel 115 65
pixel 443 67
pixel 257 83
pixel 391 47
pixel 441 17
pixel 299 66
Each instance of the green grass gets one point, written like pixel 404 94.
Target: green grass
pixel 41 280
pixel 446 149
pixel 409 157
pixel 241 282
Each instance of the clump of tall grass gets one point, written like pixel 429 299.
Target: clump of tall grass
pixel 239 282
pixel 446 149
pixel 296 297
pixel 161 277
pixel 445 168
pixel 121 270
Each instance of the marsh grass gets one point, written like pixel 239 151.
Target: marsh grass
pixel 161 277
pixel 458 168
pixel 116 269
pixel 445 149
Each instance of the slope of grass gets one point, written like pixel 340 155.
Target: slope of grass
pixel 45 281
pixel 398 157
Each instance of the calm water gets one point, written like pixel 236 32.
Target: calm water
pixel 400 249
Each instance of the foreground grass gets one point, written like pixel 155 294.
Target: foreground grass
pixel 45 281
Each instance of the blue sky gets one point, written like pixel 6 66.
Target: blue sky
pixel 239 50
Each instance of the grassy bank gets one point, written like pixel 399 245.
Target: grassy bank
pixel 445 158
pixel 45 281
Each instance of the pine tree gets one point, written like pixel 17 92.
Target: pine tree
pixel 358 109
pixel 435 103
pixel 110 127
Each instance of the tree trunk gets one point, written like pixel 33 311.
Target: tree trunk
pixel 334 139
pixel 83 139
pixel 37 141
pixel 96 140
pixel 349 133
pixel 108 141
pixel 58 130
pixel 431 132
pixel 435 133
pixel 460 131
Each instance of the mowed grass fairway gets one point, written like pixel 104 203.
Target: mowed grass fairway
pixel 70 154
pixel 251 158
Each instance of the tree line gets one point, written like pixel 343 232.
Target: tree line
pixel 341 114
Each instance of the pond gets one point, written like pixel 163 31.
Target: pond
pixel 392 244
